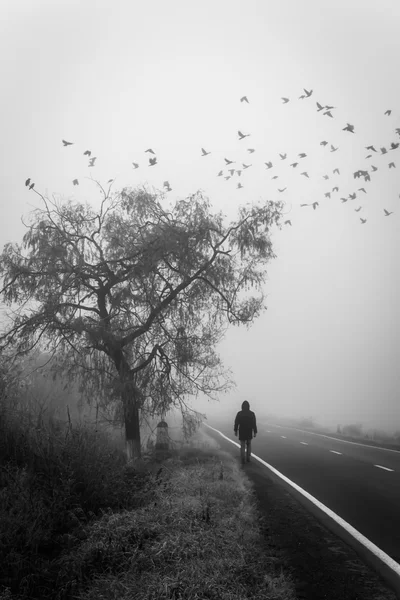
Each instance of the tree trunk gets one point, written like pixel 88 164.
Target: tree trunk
pixel 132 426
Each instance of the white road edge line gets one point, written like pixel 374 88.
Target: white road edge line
pixel 337 439
pixel 386 468
pixel 380 554
pixel 283 436
pixel 335 452
pixel 304 443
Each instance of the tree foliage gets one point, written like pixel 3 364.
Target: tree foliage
pixel 137 294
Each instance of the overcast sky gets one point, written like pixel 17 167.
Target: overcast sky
pixel 120 77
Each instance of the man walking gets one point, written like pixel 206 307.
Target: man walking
pixel 246 423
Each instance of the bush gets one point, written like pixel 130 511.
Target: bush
pixel 354 429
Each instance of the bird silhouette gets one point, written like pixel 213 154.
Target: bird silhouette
pixel 150 150
pixel 269 165
pixel 349 128
pixel 393 146
pixel 344 199
pixel 228 162
pixel 304 204
pixel 387 213
pixel 110 180
pixel 335 189
pixel 285 100
pixel 274 177
pixel 319 107
pixel 67 143
pixel 370 148
pixel 333 149
pixel 167 185
pixel 282 190
pixel 353 196
pixel 329 107
pixel 288 222
pixel 87 153
pixel 27 182
pixel 368 156
pixel 135 165
pixel 302 155
pixel 239 186
pixel 362 190
pixel 31 186
pixel 328 114
pixel 220 174
pixel 204 153
pixel 383 150
pixel 75 182
pixel 314 205
pixel 374 168
pixel 294 165
pixel 239 172
pixel 231 171
pixel 227 177
pixel 246 166
pixel 336 171
pixel 242 135
pixel 283 156
pixel 392 165
pixel 388 112
pixel 251 150
pixel 327 194
pixel 325 176
pixel 91 161
pixel 397 130
pixel 358 209
pixel 363 221
pixel 323 143
pixel 244 99
pixel 308 92
pixel 305 174
pixel 152 161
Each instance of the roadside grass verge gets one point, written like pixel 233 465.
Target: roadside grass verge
pixel 77 523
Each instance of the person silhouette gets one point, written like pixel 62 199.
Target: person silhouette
pixel 245 422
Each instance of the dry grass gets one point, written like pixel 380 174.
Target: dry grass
pixel 78 524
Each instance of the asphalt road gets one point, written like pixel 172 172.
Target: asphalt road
pixel 361 484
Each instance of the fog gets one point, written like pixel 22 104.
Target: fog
pixel 119 80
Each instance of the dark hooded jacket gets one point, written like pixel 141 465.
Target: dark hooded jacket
pixel 246 422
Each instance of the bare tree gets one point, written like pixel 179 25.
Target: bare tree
pixel 136 295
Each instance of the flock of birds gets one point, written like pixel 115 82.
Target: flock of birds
pixel 326 110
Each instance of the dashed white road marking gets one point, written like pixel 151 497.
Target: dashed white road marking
pixel 378 552
pixel 335 452
pixel 283 436
pixel 304 443
pixel 386 468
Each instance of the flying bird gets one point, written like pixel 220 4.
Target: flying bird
pixel 227 177
pixel 152 161
pixel 388 112
pixel 325 176
pixel 242 135
pixel 75 182
pixel 314 205
pixel 31 186
pixel 285 100
pixel 358 209
pixel 274 177
pixel 383 150
pixel 251 150
pixel 392 165
pixel 239 172
pixel 323 143
pixel 363 221
pixel 302 155
pixel 135 165
pixel 374 168
pixel 220 174
pixel 294 165
pixel 246 166
pixel 344 199
pixel 305 174
pixel 370 148
pixel 110 180
pixel 166 185
pixel 335 189
pixel 91 161
pixel 269 165
pixel 327 194
pixel 27 182
pixel 283 156
pixel 368 156
pixel 231 171
pixel 333 149
pixel 244 99
pixel 228 162
pixel 204 153
pixel 305 205
pixel 328 113
pixel 288 222
pixel 330 107
pixel 397 130
pixel 349 128
pixel 282 190
pixel 87 153
pixel 393 146
pixel 319 107
pixel 67 143
pixel 353 196
pixel 387 213
pixel 239 185
pixel 150 150
pixel 336 171
pixel 308 92
pixel 362 190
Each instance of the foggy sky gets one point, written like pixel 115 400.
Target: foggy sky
pixel 118 78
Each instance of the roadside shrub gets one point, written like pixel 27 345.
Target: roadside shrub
pixel 353 429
